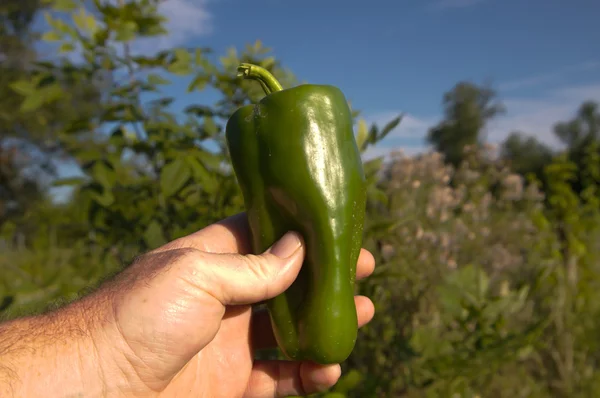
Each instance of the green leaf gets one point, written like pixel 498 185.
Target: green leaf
pixel 173 176
pixel 199 83
pixel 373 166
pixel 31 103
pixel 451 298
pixel 104 175
pixel 373 134
pixel 472 282
pixel 66 48
pixel 389 127
pixel 153 235
pixel 193 199
pixel 153 78
pixel 201 174
pixel 211 160
pixel 68 181
pixel 23 87
pixel 106 199
pixel 268 62
pixel 199 110
pixel 163 102
pixel 210 127
pixel 126 31
pixel 377 195
pixel 182 55
pixel 85 22
pixel 64 5
pixel 60 26
pixel 51 36
pixel 90 154
pixel 199 57
pixel 45 95
pixel 352 379
pixel 362 135
pixel 182 63
pixel 179 69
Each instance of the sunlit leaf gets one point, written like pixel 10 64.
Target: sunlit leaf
pixel 362 135
pixel 85 22
pixel 153 78
pixel 173 176
pixel 51 36
pixel 23 87
pixel 153 235
pixel 199 83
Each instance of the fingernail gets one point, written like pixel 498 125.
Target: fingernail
pixel 287 245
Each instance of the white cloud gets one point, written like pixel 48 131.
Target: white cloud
pixel 531 116
pixel 580 92
pixel 186 20
pixel 547 77
pixel 528 81
pixel 537 117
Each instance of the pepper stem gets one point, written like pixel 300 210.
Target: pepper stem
pixel 268 82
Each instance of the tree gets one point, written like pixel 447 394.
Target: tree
pixel 467 109
pixel 526 155
pixel 29 144
pixel 583 129
pixel 579 135
pixel 18 191
pixel 148 174
pixel 16 36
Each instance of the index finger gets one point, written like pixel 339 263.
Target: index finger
pixel 232 235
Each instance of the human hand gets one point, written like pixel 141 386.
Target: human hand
pixel 183 316
pixel 179 322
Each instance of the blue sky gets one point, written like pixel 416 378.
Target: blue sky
pixel 392 57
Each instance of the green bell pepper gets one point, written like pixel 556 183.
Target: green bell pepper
pixel 299 168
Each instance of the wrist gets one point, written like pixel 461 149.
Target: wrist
pixel 61 353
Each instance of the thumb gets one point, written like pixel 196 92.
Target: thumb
pixel 236 279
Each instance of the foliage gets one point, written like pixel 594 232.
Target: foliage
pixel 527 156
pixel 452 316
pixel 578 135
pixel 28 149
pixel 467 109
pixel 486 284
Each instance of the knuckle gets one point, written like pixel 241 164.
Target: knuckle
pixel 187 259
pixel 187 254
pixel 163 261
pixel 259 266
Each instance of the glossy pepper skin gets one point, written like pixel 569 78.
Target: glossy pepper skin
pixel 298 166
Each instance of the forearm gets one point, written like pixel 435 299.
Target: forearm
pixel 53 355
